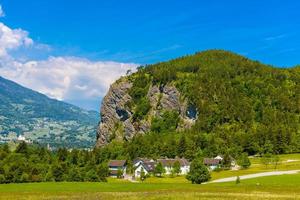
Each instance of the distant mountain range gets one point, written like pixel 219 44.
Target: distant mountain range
pixel 42 119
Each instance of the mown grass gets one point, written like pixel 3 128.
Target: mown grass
pixel 287 162
pixel 274 187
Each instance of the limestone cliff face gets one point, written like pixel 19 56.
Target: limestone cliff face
pixel 116 116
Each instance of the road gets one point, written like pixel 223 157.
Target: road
pixel 274 173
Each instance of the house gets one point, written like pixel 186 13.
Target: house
pixel 212 163
pixel 142 164
pixel 116 165
pixel 218 157
pixel 169 163
pixel 22 138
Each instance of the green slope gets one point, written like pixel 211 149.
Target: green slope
pixel 243 105
pixel 46 120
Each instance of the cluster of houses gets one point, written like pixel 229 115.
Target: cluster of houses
pixel 147 166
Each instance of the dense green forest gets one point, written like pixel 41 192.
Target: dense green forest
pixel 34 163
pixel 243 106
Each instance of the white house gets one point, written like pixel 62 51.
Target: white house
pixel 21 138
pixel 146 165
pixel 169 163
pixel 116 165
pixel 219 157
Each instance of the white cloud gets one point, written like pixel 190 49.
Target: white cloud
pixel 2 14
pixel 65 78
pixel 12 39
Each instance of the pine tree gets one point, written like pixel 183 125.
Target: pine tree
pixel 182 146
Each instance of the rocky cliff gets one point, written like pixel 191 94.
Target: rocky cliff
pixel 117 121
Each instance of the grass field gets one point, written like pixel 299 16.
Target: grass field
pixel 287 162
pixel 272 187
pixel 275 187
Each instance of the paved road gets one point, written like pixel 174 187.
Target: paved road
pixel 274 173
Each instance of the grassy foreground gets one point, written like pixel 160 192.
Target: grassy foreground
pixel 275 187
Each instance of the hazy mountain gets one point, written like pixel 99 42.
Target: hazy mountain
pixel 42 119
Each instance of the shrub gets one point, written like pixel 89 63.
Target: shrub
pixel 198 172
pixel 2 178
pixel 244 161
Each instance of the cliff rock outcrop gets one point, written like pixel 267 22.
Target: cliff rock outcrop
pixel 116 116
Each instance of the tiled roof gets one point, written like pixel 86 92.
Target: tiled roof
pixel 170 162
pixel 211 161
pixel 149 165
pixel 117 163
pixel 141 159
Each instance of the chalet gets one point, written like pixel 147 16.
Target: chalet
pixel 169 163
pixel 212 163
pixel 142 164
pixel 116 165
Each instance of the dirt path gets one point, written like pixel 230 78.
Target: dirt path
pixel 274 173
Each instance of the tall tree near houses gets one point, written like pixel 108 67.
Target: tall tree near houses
pixel 159 169
pixel 176 168
pixel 182 146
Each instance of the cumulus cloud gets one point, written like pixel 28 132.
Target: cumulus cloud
pixel 12 39
pixel 72 79
pixel 67 78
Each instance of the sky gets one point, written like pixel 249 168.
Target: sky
pixel 73 50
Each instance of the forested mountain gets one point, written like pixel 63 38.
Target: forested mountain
pixel 210 103
pixel 39 118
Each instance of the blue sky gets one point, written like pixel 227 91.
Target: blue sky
pixel 140 32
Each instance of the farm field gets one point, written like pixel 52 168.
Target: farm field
pixel 275 187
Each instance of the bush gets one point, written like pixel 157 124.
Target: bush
pixel 159 170
pixel 74 175
pixel 141 109
pixel 91 176
pixel 2 178
pixel 167 122
pixel 49 177
pixel 244 161
pixel 24 178
pixel 198 172
pixel 57 172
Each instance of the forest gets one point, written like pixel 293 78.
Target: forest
pixel 242 105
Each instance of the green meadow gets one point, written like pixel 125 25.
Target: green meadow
pixel 271 187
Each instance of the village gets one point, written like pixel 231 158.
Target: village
pixel 142 168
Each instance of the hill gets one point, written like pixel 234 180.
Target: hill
pixel 211 102
pixel 42 119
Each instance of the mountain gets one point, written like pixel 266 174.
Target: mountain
pixel 218 98
pixel 42 119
